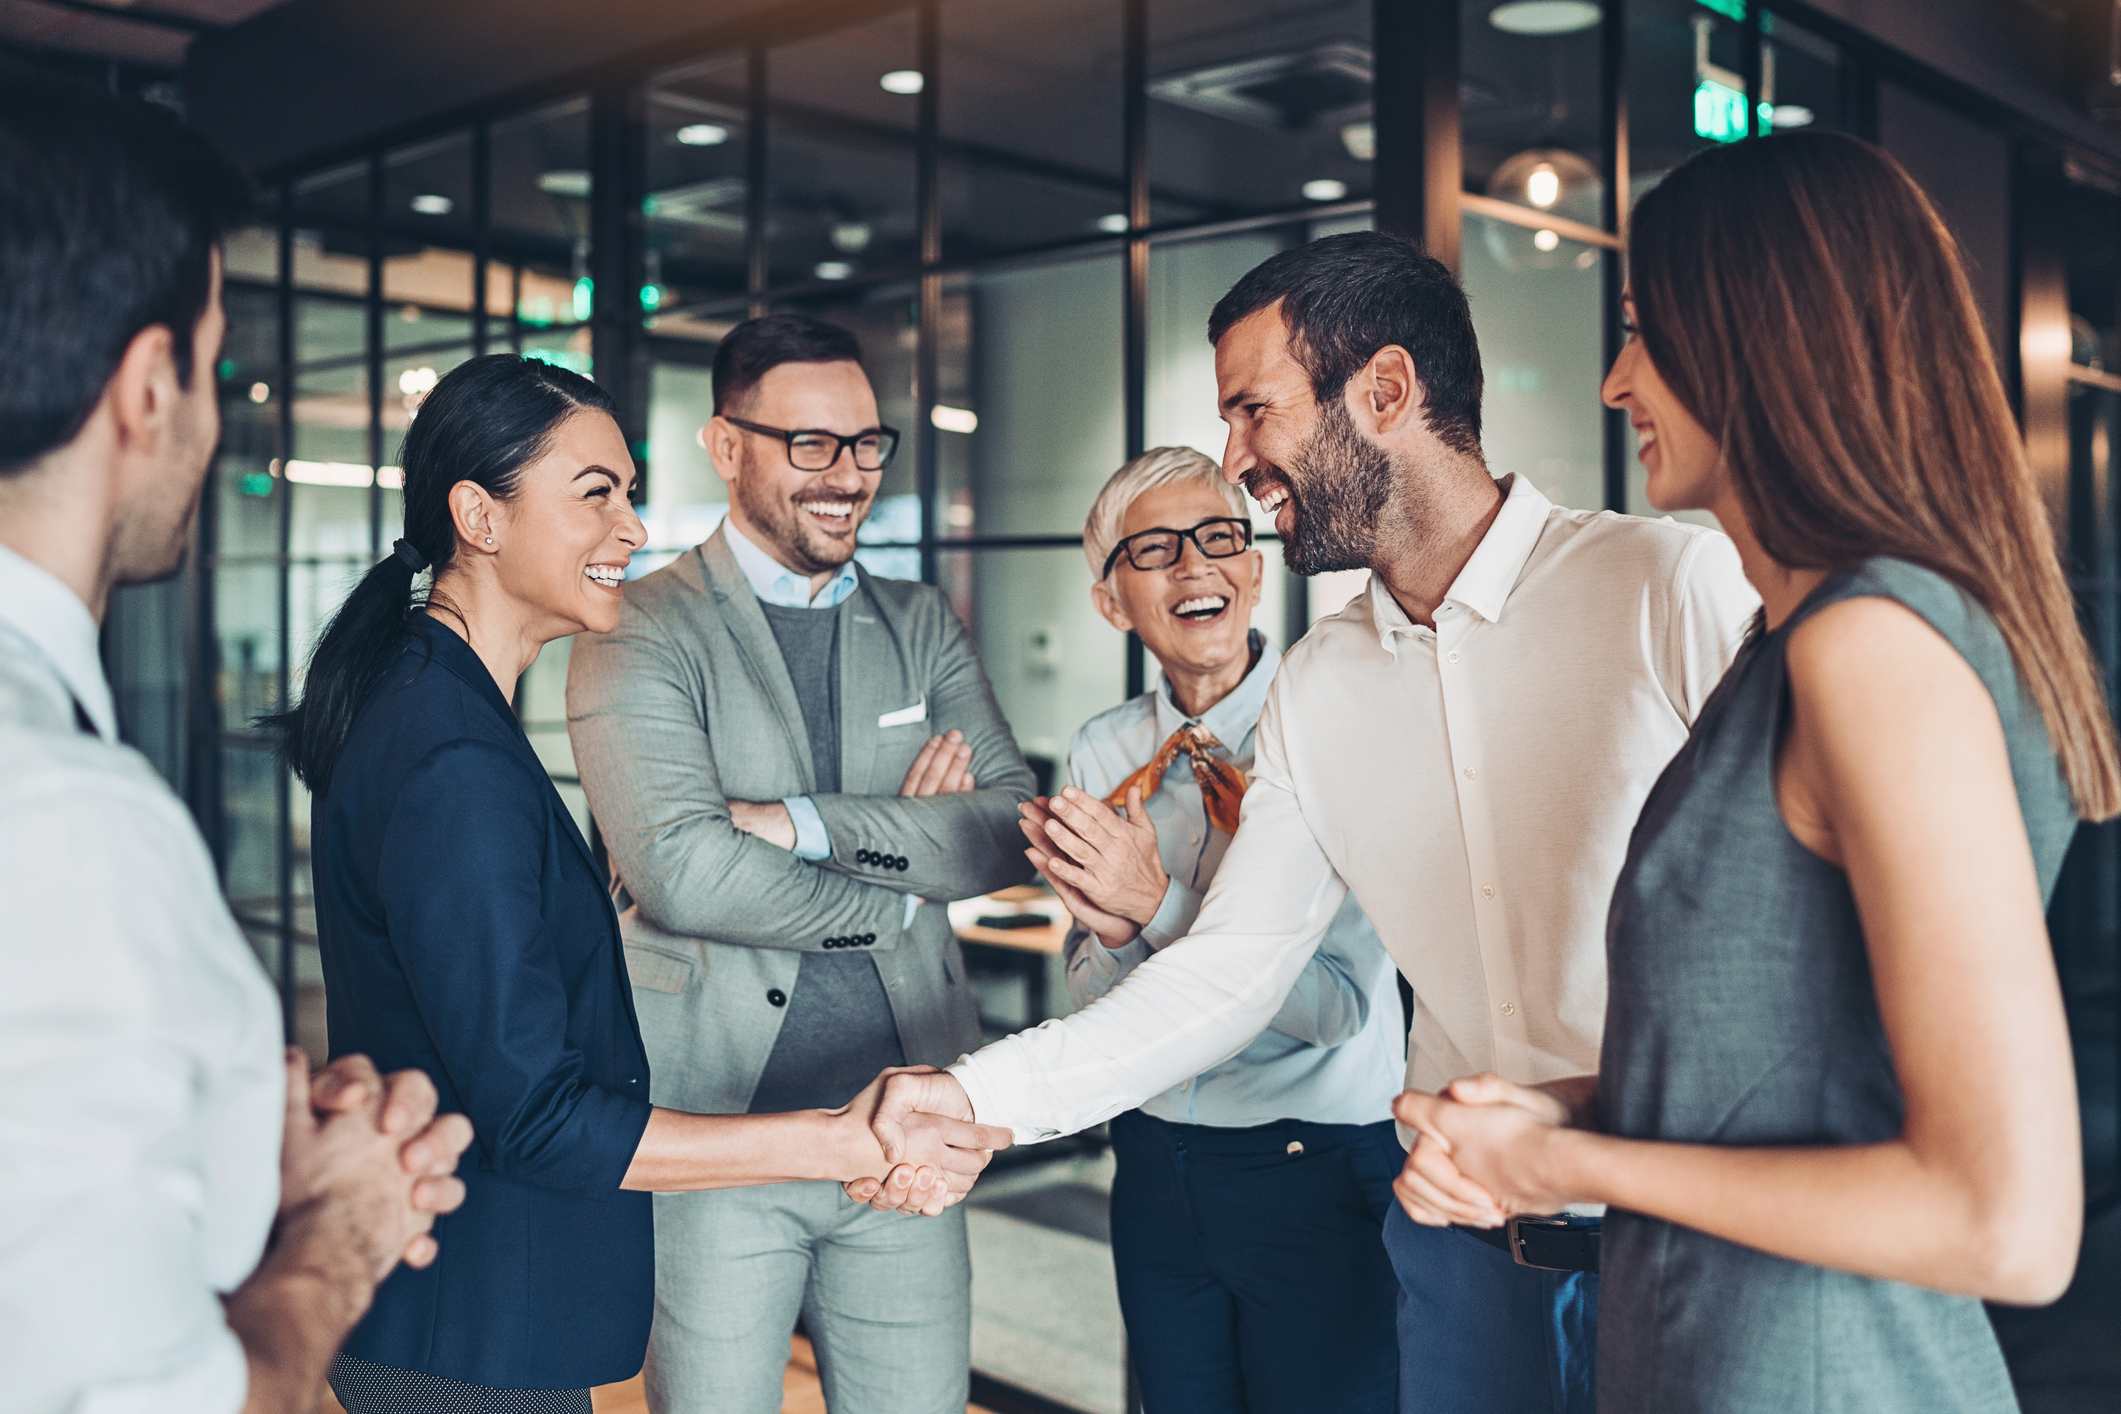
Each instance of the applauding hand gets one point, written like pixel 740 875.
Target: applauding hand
pixel 1104 865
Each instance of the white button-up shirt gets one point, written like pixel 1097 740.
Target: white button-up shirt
pixel 1474 785
pixel 141 1089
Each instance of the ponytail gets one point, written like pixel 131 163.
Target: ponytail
pixel 484 422
pixel 360 643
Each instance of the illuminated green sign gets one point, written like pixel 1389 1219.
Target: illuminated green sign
pixel 585 296
pixel 1730 9
pixel 255 483
pixel 1719 112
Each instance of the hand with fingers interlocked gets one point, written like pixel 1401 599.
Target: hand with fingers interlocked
pixel 1102 859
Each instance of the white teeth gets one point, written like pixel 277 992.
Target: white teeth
pixel 830 508
pixel 1272 501
pixel 606 575
pixel 1207 603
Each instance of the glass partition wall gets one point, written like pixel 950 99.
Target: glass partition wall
pixel 1025 211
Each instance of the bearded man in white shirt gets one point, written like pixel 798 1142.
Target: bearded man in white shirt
pixel 1465 747
pixel 187 1222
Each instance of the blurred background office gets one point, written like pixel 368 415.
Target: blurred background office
pixel 1025 209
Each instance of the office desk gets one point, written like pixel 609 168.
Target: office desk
pixel 1027 951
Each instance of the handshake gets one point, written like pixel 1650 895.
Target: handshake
pixel 923 1150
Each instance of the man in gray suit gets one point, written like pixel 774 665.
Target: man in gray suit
pixel 794 764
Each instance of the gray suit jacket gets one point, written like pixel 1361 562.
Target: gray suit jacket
pixel 687 706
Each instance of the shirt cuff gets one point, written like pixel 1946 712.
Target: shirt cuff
pixel 988 1107
pixel 1174 916
pixel 913 906
pixel 811 841
pixel 1112 962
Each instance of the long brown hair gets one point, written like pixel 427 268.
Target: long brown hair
pixel 1808 306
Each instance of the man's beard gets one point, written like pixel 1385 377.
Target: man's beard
pixel 1340 485
pixel 801 545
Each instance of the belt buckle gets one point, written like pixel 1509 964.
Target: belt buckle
pixel 1516 1239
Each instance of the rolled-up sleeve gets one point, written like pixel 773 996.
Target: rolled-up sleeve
pixel 484 975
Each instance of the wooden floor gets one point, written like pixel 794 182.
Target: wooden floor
pixel 800 1393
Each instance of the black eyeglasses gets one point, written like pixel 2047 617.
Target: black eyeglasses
pixel 1158 548
pixel 814 449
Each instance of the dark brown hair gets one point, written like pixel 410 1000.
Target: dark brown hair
pixel 1805 302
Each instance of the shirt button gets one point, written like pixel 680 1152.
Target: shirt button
pixel 1452 655
pixel 1487 891
pixel 1509 1008
pixel 1471 772
pixel 1296 1146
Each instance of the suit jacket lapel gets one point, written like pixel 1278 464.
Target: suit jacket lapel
pixel 862 638
pixel 760 650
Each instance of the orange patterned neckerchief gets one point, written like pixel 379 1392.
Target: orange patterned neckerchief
pixel 1222 785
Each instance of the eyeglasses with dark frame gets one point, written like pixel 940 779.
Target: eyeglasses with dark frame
pixel 815 449
pixel 1158 547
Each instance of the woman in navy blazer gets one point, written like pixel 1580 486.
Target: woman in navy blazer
pixel 466 929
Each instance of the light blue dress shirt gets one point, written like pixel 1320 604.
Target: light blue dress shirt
pixel 774 583
pixel 1336 1051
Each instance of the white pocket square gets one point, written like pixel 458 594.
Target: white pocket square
pixel 905 716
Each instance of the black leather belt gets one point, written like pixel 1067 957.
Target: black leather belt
pixel 1557 1244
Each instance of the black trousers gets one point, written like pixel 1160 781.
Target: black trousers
pixel 1252 1271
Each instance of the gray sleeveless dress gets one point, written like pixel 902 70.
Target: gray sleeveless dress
pixel 1741 1012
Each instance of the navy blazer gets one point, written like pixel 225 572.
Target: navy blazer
pixel 466 930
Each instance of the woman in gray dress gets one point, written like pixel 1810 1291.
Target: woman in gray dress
pixel 1836 1105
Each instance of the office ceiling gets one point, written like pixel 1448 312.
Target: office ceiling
pixel 153 34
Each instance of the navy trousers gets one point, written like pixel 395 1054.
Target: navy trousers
pixel 1478 1332
pixel 1250 1273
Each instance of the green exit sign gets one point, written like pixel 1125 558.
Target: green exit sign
pixel 1719 112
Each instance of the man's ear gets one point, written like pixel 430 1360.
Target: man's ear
pixel 143 390
pixel 1114 612
pixel 722 442
pixel 1385 392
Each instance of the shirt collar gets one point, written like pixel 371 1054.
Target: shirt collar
pixel 37 604
pixel 1232 719
pixel 774 583
pixel 1484 584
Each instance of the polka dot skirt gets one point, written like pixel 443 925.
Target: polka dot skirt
pixel 378 1389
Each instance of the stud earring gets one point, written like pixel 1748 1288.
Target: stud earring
pixel 489 540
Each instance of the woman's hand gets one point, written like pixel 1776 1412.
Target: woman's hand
pixel 1506 1151
pixel 1107 927
pixel 1110 859
pixel 919 1149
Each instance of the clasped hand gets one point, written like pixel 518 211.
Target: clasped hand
pixel 928 1149
pixel 1483 1153
pixel 1102 864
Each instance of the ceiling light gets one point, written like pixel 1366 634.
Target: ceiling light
pixel 428 203
pixel 417 382
pixel 851 237
pixel 832 270
pixel 259 392
pixel 1542 186
pixel 566 181
pixel 904 82
pixel 703 135
pixel 1546 240
pixel 1113 224
pixel 1540 18
pixel 1791 115
pixel 946 418
pixel 1360 140
pixel 1324 189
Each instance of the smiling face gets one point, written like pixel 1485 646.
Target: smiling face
pixel 805 519
pixel 568 530
pixel 1195 615
pixel 1308 466
pixel 1682 463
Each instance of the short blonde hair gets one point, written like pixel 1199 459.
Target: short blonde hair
pixel 1159 466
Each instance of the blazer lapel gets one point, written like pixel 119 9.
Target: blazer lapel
pixel 456 655
pixel 756 644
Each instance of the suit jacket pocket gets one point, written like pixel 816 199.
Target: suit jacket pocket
pixel 657 969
